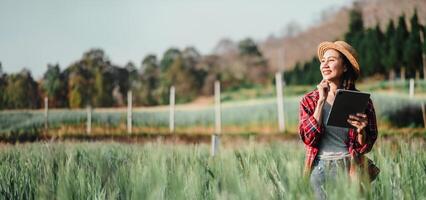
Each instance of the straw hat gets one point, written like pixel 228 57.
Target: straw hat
pixel 343 48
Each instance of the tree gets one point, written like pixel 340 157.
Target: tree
pixel 424 39
pixel 412 54
pixel 103 87
pixel 121 80
pixel 168 58
pixel 76 90
pixel 248 47
pixel 370 52
pixel 212 65
pixel 54 84
pixel 21 91
pixel 356 28
pixel 192 58
pixel 2 87
pixel 398 42
pixel 133 78
pixel 184 81
pixel 150 80
pixel 387 60
pixel 256 65
pixel 87 84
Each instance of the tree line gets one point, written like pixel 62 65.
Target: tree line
pixel 94 80
pixel 395 52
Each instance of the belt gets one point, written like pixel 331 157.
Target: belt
pixel 345 161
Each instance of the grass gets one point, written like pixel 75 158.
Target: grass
pixel 397 86
pixel 236 114
pixel 256 114
pixel 252 116
pixel 261 92
pixel 164 171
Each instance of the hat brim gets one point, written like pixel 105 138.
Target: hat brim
pixel 324 46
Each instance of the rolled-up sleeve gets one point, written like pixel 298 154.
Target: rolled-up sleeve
pixel 370 131
pixel 309 129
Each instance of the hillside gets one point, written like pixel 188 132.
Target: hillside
pixel 302 47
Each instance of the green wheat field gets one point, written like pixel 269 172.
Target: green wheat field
pixel 107 170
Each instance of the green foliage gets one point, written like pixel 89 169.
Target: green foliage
pixel 3 79
pixel 308 73
pixel 412 54
pixel 378 53
pixel 54 84
pixel 248 47
pixel 103 84
pixel 159 171
pixel 356 28
pixel 370 50
pixel 386 58
pixel 398 42
pixel 192 59
pixel 181 77
pixel 178 69
pixel 20 91
pixel 241 113
pixel 424 38
pixel 123 80
pixel 168 58
pixel 93 79
pixel 150 81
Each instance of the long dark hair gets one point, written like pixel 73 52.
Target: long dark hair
pixel 349 77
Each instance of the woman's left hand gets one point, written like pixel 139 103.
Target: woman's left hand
pixel 359 121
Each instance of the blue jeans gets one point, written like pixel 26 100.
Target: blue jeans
pixel 326 171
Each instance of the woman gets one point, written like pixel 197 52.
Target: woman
pixel 329 148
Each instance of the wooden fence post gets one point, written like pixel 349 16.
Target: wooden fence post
pixel 129 112
pixel 424 113
pixel 89 119
pixel 411 89
pixel 172 110
pixel 46 116
pixel 218 129
pixel 280 102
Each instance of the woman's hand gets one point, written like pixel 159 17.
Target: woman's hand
pixel 323 88
pixel 359 121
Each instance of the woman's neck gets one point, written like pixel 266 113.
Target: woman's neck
pixel 334 85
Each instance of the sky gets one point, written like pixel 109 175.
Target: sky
pixel 34 33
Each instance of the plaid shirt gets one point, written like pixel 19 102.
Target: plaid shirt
pixel 310 131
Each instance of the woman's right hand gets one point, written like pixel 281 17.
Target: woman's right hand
pixel 323 89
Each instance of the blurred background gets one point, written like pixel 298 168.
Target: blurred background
pixel 198 99
pixel 85 57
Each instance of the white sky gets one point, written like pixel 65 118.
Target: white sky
pixel 34 33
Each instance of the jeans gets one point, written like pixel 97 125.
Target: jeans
pixel 326 171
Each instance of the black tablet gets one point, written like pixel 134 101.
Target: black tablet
pixel 347 102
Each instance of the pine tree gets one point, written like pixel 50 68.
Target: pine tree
pixel 387 60
pixel 371 52
pixel 398 41
pixel 356 28
pixel 412 53
pixel 424 39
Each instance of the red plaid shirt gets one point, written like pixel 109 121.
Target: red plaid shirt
pixel 310 131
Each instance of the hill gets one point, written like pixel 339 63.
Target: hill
pixel 302 46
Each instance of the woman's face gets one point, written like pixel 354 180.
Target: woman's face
pixel 332 67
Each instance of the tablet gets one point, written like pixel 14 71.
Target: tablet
pixel 347 102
